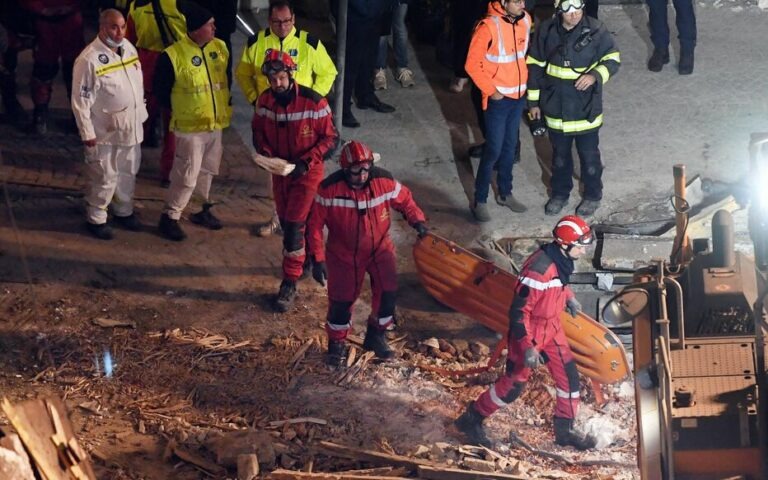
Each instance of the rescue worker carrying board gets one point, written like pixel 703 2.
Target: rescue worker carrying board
pixel 536 337
pixel 354 203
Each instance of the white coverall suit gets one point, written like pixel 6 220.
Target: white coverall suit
pixel 108 104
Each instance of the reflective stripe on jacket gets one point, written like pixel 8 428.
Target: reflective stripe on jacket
pixel 315 69
pixel 496 57
pixel 200 95
pixel 148 35
pixel 358 220
pixel 546 298
pixel 559 57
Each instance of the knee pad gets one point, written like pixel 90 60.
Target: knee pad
pixel 293 236
pixel 387 306
pixel 513 394
pixel 573 376
pixel 339 312
pixel 45 72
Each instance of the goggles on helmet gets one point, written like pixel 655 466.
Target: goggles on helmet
pixel 566 6
pixel 360 168
pixel 275 66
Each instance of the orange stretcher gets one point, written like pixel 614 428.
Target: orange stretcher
pixel 481 290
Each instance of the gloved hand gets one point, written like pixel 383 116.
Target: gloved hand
pixel 300 170
pixel 572 306
pixel 421 229
pixel 532 358
pixel 319 272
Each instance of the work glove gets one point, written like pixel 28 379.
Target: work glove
pixel 319 272
pixel 421 229
pixel 300 170
pixel 572 306
pixel 532 358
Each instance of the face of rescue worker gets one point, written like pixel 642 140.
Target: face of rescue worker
pixel 514 7
pixel 204 34
pixel 112 30
pixel 576 252
pixel 281 21
pixel 357 174
pixel 279 82
pixel 572 18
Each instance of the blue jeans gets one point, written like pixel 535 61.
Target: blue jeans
pixel 502 122
pixel 587 146
pixel 685 18
pixel 399 39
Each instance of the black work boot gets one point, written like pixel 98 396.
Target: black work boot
pixel 170 228
pixel 659 58
pixel 40 119
pixel 337 353
pixel 566 435
pixel 470 423
pixel 587 208
pixel 102 231
pixel 376 340
pixel 128 222
pixel 285 296
pixel 555 205
pixel 205 218
pixel 685 66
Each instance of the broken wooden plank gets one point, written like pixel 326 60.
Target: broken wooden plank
pixel 379 458
pixel 294 475
pixel 291 421
pixel 433 473
pixel 173 449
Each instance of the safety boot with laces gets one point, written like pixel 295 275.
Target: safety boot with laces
pixel 405 77
pixel 271 227
pixel 470 423
pixel 380 79
pixel 376 340
pixel 205 218
pixel 285 296
pixel 337 353
pixel 566 435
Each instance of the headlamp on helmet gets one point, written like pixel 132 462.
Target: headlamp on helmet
pixel 276 61
pixel 564 6
pixel 573 231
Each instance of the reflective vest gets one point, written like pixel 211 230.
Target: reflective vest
pixel 315 69
pixel 496 58
pixel 200 95
pixel 148 35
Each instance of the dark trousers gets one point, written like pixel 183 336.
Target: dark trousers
pixel 362 48
pixel 502 123
pixel 587 145
pixel 685 19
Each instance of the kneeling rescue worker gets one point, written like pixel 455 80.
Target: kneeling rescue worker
pixel 354 203
pixel 536 337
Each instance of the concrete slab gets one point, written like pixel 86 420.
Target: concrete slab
pixel 627 252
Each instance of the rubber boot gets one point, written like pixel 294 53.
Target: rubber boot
pixel 337 353
pixel 376 340
pixel 566 435
pixel 470 423
pixel 659 58
pixel 285 296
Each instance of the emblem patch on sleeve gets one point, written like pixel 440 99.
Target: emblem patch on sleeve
pixel 103 58
pixel 197 61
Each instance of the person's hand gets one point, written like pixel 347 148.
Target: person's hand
pixel 534 113
pixel 532 358
pixel 300 170
pixel 90 143
pixel 585 81
pixel 497 95
pixel 319 272
pixel 572 306
pixel 421 229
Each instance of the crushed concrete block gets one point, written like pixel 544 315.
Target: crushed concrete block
pixel 629 252
pixel 14 461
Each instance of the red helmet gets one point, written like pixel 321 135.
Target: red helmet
pixel 355 152
pixel 277 61
pixel 572 231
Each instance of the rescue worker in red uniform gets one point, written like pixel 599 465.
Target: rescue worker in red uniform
pixel 59 35
pixel 354 203
pixel 293 123
pixel 536 337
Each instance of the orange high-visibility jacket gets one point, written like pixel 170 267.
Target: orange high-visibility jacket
pixel 496 58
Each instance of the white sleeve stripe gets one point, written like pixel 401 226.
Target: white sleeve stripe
pixel 535 284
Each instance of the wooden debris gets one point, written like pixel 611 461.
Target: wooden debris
pixel 113 323
pixel 515 439
pixel 196 460
pixel 291 421
pixel 247 466
pixel 294 475
pixel 480 465
pixel 299 355
pixel 433 473
pixel 333 449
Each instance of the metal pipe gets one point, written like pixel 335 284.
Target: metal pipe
pixel 723 253
pixel 341 52
pixel 681 245
pixel 680 312
pixel 666 414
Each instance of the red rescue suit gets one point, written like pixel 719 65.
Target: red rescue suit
pixel 58 34
pixel 538 327
pixel 300 130
pixel 358 222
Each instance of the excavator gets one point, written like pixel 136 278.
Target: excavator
pixel 698 337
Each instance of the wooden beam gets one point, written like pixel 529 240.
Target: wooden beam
pixel 432 473
pixel 294 475
pixel 379 458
